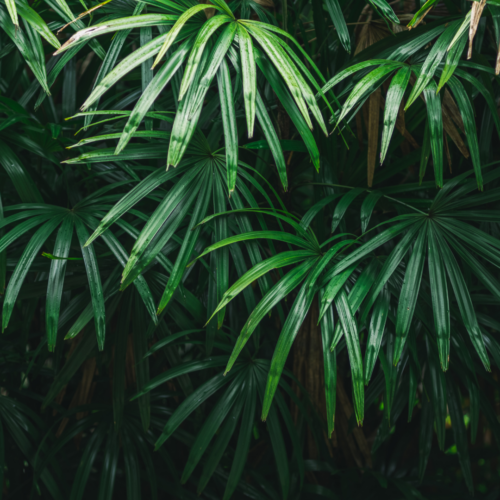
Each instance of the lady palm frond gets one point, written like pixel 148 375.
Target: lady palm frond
pixel 207 57
pixel 208 241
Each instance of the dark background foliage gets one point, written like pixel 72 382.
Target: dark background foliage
pixel 280 313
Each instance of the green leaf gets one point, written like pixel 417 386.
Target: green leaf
pixel 421 12
pixel 439 295
pixel 186 119
pixel 168 340
pixel 452 59
pixel 217 450
pixel 393 100
pixel 109 61
pixel 482 243
pixel 330 366
pixel 145 36
pixel 366 86
pixel 225 7
pixel 135 152
pixel 124 23
pixel 367 207
pixel 288 218
pixel 126 65
pixel 435 385
pixel 342 75
pixel 281 260
pixel 278 292
pixel 153 90
pixel 376 332
pixel 283 64
pixel 131 468
pixel 272 235
pixel 286 145
pixel 56 280
pixel 431 63
pixel 63 10
pixel 110 289
pixel 464 301
pixel 229 123
pixel 208 29
pixel 244 438
pixel 343 205
pixel 288 333
pixel 435 121
pixel 467 112
pixel 193 401
pixel 30 48
pixel 337 17
pixel 23 183
pixel 162 215
pixel 487 278
pixel 298 46
pixel 23 266
pixel 136 194
pixel 272 139
pixel 309 216
pixel 121 255
pixel 409 293
pixel 189 241
pixel 390 265
pixel 249 77
pixel 290 107
pixel 306 91
pixel 464 28
pixel 34 19
pixel 325 260
pixel 146 134
pixel 357 294
pixel 386 10
pixel 87 461
pixel 163 237
pixel 11 7
pixel 492 345
pixel 177 371
pixel 170 37
pixel 478 85
pixel 212 423
pixel 390 375
pixel 333 288
pixel 14 234
pixel 426 151
pixel 414 377
pixel 109 467
pixel 350 328
pixel 94 279
pixel 222 255
pixel 3 264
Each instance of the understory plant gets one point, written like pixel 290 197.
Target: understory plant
pixel 249 249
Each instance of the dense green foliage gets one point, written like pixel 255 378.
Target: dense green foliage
pixel 261 261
